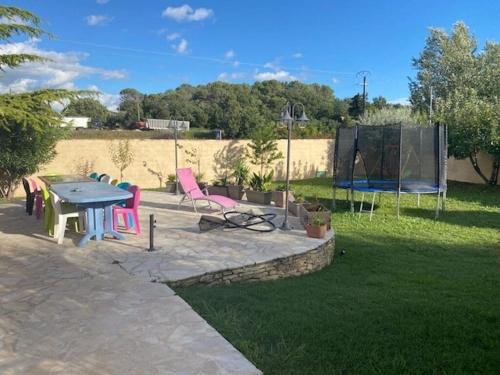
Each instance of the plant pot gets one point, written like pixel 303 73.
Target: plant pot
pixel 236 192
pixel 218 190
pixel 260 197
pixel 279 197
pixel 311 211
pixel 295 208
pixel 316 231
pixel 170 187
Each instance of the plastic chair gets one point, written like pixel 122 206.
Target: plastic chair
pixel 101 176
pixel 38 199
pixel 124 185
pixel 62 212
pixel 94 175
pixel 114 182
pixel 30 196
pixel 130 209
pixel 106 179
pixel 48 212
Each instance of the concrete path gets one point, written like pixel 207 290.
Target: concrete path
pixel 67 310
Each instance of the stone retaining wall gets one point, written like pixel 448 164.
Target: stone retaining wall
pixel 279 268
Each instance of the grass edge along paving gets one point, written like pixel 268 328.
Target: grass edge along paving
pixel 410 296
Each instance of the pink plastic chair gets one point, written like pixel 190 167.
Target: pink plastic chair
pixel 38 199
pixel 193 192
pixel 130 210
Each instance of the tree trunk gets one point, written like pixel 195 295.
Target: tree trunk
pixel 494 172
pixel 475 165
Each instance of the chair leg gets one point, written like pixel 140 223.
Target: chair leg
pixel 61 229
pixel 137 226
pixel 125 219
pixel 182 200
pixel 115 220
pixel 194 205
pixel 55 226
pixel 81 221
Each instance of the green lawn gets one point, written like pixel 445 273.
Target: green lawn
pixel 409 296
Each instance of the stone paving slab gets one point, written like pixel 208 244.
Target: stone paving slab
pixel 68 310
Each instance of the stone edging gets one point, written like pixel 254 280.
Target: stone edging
pixel 293 265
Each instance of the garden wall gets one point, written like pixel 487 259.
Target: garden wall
pixel 157 156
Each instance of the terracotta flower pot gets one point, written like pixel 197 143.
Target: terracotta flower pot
pixel 316 231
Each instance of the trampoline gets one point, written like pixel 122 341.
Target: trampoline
pixel 395 159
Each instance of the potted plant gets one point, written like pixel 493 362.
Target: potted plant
pixel 311 211
pixel 279 195
pixel 262 152
pixel 260 189
pixel 295 204
pixel 219 187
pixel 316 228
pixel 170 184
pixel 240 176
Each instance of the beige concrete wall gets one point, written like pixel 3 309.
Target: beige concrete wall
pixel 157 156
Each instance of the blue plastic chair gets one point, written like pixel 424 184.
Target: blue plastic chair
pixel 94 175
pixel 124 185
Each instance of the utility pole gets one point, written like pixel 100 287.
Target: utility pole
pixel 364 74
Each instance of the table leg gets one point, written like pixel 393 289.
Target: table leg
pixel 90 227
pixel 108 213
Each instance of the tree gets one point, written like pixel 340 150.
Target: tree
pixel 391 116
pixel 466 90
pixel 379 102
pixel 122 155
pixel 263 148
pixel 356 106
pixel 131 103
pixel 88 107
pixel 29 127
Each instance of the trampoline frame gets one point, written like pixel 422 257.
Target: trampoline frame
pixel 441 166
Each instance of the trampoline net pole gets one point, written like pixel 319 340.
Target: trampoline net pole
pixel 335 167
pixel 399 167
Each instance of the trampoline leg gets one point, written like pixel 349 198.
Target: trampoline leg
pixel 418 199
pixel 373 202
pixel 334 204
pixel 398 199
pixel 361 205
pixel 438 203
pixel 352 201
pixel 443 206
pixel 379 197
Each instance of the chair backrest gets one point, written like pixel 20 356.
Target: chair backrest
pixel 94 175
pixel 134 201
pixel 106 179
pixel 114 182
pixel 188 183
pixel 26 186
pixel 101 176
pixel 56 202
pixel 34 185
pixel 124 185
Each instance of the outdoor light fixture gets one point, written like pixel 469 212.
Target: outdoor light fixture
pixel 288 116
pixel 176 136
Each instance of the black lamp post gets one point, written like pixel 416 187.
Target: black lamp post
pixel 288 117
pixel 176 136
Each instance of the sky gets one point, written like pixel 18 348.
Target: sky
pixel 156 45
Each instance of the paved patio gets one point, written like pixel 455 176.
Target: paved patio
pixel 93 310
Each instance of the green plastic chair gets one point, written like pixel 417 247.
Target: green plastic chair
pixel 94 175
pixel 48 212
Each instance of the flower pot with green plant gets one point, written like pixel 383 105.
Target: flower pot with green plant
pixel 240 177
pixel 170 184
pixel 219 187
pixel 310 211
pixel 262 151
pixel 260 189
pixel 316 228
pixel 279 195
pixel 295 204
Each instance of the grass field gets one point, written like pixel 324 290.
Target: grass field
pixel 409 296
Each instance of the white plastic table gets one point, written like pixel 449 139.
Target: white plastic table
pixel 97 198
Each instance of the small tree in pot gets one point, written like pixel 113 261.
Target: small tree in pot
pixel 316 228
pixel 262 152
pixel 240 176
pixel 170 184
pixel 219 187
pixel 295 204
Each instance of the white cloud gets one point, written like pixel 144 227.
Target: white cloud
pixel 98 20
pixel 297 55
pixel 236 64
pixel 63 69
pixel 186 13
pixel 110 101
pixel 230 54
pixel 181 47
pixel 335 80
pixel 102 2
pixel 226 77
pixel 173 36
pixel 402 101
pixel 280 75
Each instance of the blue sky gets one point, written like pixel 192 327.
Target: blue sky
pixel 157 45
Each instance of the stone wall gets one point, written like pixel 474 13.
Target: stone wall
pixel 154 157
pixel 279 268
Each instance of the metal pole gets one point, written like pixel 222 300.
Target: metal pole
pixel 152 226
pixel 364 94
pixel 430 106
pixel 176 129
pixel 286 225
